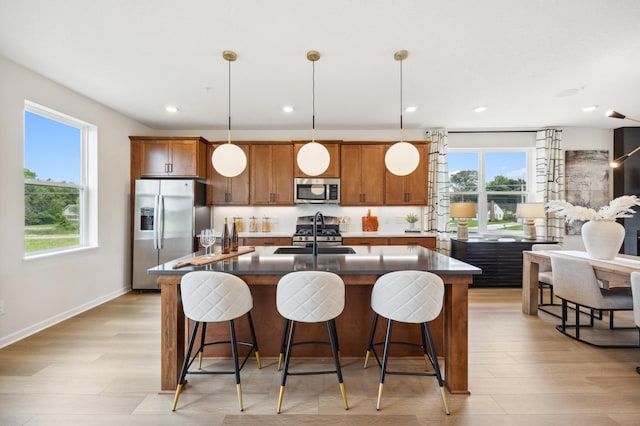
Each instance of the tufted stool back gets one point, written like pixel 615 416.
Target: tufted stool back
pixel 209 296
pixel 310 296
pixel 408 296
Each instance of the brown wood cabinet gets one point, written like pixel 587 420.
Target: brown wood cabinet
pixel 222 190
pixel 362 174
pixel 333 171
pixel 412 188
pixel 272 174
pixel 180 156
pixel 427 242
pixel 266 241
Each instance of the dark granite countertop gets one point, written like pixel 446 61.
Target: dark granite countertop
pixel 366 260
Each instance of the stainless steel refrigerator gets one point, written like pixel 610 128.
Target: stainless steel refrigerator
pixel 168 215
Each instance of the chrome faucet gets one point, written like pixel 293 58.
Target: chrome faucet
pixel 314 247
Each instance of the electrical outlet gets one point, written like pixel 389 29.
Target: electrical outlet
pixel 1 307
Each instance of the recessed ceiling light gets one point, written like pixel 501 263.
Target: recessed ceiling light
pixel 171 108
pixel 287 108
pixel 480 108
pixel 590 108
pixel 411 109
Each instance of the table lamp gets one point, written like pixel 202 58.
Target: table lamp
pixel 530 211
pixel 462 212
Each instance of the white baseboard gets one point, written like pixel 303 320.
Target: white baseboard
pixel 42 325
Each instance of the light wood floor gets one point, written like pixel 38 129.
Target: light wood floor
pixel 102 368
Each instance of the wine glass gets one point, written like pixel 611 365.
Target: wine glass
pixel 207 239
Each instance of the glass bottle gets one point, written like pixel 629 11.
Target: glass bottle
pixel 225 237
pixel 234 236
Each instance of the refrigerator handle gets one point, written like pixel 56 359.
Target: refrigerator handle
pixel 161 222
pixel 156 207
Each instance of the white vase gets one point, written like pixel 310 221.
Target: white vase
pixel 602 238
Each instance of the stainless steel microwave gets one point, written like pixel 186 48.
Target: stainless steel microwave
pixel 318 191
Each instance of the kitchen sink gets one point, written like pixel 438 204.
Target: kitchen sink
pixel 321 250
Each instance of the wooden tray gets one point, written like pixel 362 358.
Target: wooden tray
pixel 203 260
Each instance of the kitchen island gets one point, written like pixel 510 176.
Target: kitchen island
pixel 263 268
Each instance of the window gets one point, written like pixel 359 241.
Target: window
pixel 496 180
pixel 59 182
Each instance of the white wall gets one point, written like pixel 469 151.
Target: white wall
pixel 40 292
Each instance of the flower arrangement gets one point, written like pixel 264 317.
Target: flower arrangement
pixel 411 217
pixel 617 208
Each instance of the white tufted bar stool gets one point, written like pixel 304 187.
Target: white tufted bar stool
pixel 309 297
pixel 209 296
pixel 411 297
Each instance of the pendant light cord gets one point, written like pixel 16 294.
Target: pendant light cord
pixel 401 128
pixel 229 105
pixel 313 101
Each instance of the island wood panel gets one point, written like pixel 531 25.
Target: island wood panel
pixel 449 329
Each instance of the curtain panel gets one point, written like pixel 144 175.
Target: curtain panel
pixel 437 214
pixel 550 177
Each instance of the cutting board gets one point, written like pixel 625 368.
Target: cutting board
pixel 203 260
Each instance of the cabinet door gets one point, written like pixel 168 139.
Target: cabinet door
pixel 333 171
pixel 362 175
pixel 272 174
pixel 282 175
pixel 154 158
pixel 350 175
pixel 410 189
pixel 222 190
pixel 183 158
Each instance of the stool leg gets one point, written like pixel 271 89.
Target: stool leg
pixel 426 332
pixel 283 343
pixel 331 328
pixel 202 341
pixel 254 340
pixel 335 336
pixel 372 333
pixel 427 361
pixel 185 364
pixel 287 356
pixel 236 365
pixel 385 357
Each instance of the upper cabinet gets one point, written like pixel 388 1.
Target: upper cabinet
pixel 229 191
pixel 412 188
pixel 272 174
pixel 362 174
pixel 333 171
pixel 181 156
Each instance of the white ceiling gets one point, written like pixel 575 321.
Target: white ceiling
pixel 533 63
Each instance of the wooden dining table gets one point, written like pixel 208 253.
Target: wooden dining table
pixel 616 271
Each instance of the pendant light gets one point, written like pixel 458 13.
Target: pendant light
pixel 402 158
pixel 313 158
pixel 228 159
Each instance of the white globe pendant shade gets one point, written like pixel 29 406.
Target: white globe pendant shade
pixel 402 158
pixel 229 160
pixel 313 159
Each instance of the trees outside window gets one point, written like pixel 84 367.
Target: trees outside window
pixel 496 181
pixel 57 173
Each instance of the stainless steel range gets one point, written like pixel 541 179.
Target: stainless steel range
pixel 328 234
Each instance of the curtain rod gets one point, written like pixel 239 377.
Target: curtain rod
pixel 494 131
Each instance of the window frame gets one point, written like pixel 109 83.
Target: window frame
pixel 88 188
pixel 482 195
